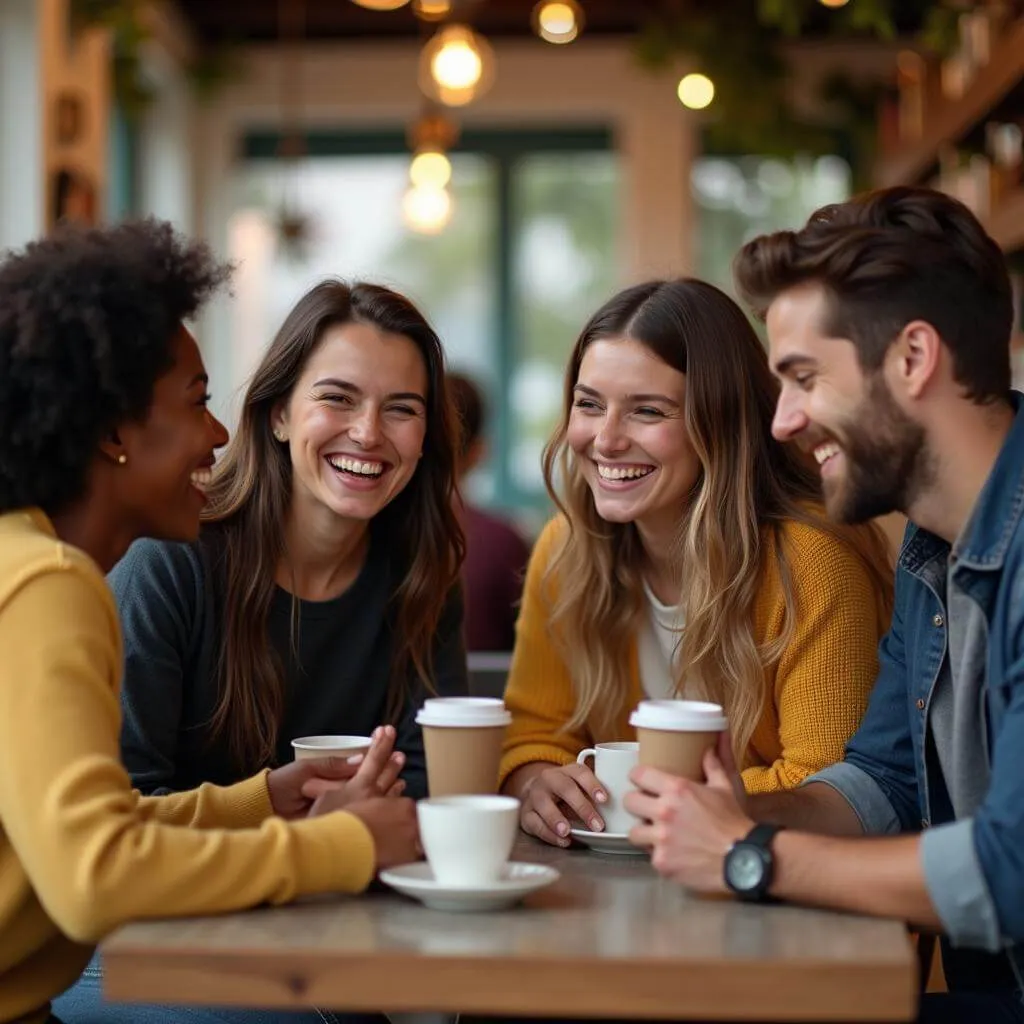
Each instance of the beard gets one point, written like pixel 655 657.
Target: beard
pixel 887 460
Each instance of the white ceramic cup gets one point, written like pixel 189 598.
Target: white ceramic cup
pixel 468 839
pixel 309 747
pixel 612 764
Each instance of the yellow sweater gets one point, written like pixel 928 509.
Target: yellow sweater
pixel 816 693
pixel 82 852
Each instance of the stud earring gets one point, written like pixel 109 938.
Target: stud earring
pixel 279 435
pixel 122 459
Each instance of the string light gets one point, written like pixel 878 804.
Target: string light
pixel 557 21
pixel 432 10
pixel 426 210
pixel 380 5
pixel 430 168
pixel 456 66
pixel 696 91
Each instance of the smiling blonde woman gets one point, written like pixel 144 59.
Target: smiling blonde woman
pixel 691 558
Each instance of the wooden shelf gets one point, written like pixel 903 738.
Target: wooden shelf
pixel 1006 222
pixel 950 120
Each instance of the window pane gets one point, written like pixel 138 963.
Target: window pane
pixel 354 211
pixel 564 266
pixel 740 197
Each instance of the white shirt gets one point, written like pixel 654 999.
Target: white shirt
pixel 657 645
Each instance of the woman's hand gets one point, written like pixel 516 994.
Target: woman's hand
pixel 551 793
pixel 392 823
pixel 296 786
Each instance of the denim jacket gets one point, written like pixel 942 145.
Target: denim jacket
pixel 973 867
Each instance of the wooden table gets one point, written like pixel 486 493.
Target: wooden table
pixel 610 938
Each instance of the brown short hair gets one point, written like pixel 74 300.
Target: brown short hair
pixel 468 400
pixel 889 257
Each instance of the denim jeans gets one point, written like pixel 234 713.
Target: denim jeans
pixel 83 1004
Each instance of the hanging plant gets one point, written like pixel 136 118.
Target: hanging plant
pixel 207 72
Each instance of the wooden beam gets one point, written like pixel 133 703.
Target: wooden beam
pixel 951 120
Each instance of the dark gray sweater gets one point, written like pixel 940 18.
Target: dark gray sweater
pixel 169 600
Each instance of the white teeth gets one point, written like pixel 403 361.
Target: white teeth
pixel 622 472
pixel 201 479
pixel 825 451
pixel 356 466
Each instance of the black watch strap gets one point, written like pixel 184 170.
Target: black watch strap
pixel 762 835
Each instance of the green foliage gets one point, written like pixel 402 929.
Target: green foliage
pixel 208 71
pixel 739 45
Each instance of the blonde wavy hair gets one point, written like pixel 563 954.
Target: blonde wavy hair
pixel 749 486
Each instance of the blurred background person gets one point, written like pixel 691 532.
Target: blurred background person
pixel 496 553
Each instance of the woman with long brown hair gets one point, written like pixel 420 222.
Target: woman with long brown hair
pixel 321 597
pixel 692 558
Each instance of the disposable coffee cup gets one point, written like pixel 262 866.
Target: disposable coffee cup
pixel 462 738
pixel 308 747
pixel 674 735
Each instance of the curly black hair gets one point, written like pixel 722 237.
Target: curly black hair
pixel 88 318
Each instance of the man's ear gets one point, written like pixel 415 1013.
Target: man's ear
pixel 913 359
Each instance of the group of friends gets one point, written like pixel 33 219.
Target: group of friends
pixel 170 618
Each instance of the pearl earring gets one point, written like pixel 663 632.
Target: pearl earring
pixel 122 459
pixel 279 435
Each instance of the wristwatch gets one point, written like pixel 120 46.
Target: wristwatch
pixel 749 864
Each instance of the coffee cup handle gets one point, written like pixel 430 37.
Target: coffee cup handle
pixel 581 757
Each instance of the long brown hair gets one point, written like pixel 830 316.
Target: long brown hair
pixel 748 488
pixel 249 499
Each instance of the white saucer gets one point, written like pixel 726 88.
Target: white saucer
pixel 608 842
pixel 417 880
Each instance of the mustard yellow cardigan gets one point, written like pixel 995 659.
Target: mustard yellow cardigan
pixel 82 852
pixel 815 694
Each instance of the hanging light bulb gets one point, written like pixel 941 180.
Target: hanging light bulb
pixel 431 10
pixel 430 168
pixel 833 3
pixel 696 91
pixel 380 5
pixel 456 66
pixel 426 209
pixel 557 21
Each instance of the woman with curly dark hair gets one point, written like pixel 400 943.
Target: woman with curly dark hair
pixel 105 437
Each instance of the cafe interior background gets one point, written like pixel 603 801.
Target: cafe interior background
pixel 507 163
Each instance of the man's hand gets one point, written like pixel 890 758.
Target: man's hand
pixel 296 786
pixel 689 826
pixel 728 761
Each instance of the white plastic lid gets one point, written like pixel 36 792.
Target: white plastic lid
pixel 463 712
pixel 679 716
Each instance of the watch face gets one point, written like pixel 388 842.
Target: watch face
pixel 746 868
